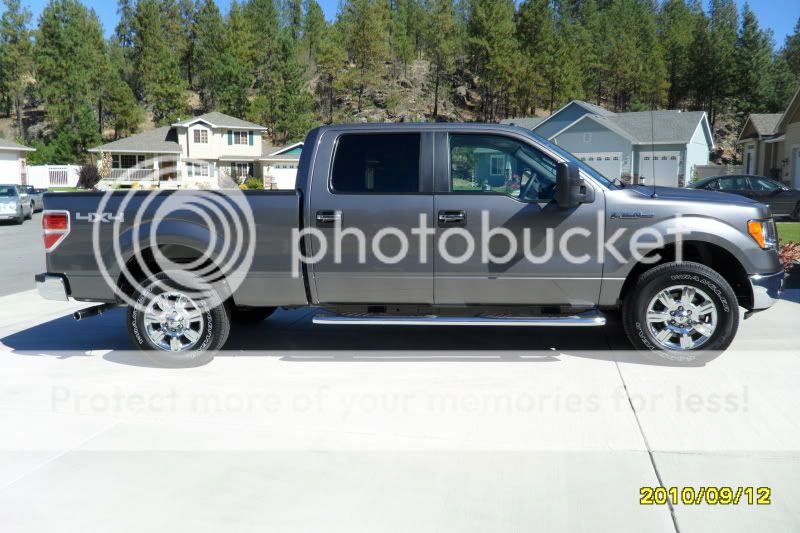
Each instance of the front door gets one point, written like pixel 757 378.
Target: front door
pixel 494 181
pixel 377 188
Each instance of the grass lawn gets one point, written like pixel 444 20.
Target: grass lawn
pixel 789 231
pixel 63 189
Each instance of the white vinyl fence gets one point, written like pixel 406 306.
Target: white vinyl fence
pixel 45 176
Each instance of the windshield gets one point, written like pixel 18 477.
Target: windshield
pixel 7 191
pixel 572 159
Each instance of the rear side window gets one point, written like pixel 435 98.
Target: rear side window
pixel 738 183
pixel 376 163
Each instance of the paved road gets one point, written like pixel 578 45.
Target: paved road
pixel 22 255
pixel 297 427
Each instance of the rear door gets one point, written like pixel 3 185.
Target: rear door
pixel 501 181
pixel 367 189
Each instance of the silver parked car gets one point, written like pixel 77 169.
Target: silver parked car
pixel 36 197
pixel 14 204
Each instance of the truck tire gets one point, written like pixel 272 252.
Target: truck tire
pixel 681 314
pixel 172 329
pixel 250 315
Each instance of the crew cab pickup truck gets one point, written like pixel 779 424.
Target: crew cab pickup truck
pixel 388 224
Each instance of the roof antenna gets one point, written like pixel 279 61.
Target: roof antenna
pixel 653 146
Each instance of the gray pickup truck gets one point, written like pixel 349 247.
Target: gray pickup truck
pixel 419 224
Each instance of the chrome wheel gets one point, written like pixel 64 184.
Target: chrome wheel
pixel 682 317
pixel 173 322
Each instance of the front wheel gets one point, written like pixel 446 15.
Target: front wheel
pixel 681 314
pixel 175 327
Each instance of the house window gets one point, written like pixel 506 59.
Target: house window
pixel 201 136
pixel 198 169
pixel 128 161
pixel 240 137
pixel 497 164
pixel 587 137
pixel 240 170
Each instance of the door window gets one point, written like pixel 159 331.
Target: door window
pixel 494 164
pixel 764 185
pixel 386 163
pixel 734 183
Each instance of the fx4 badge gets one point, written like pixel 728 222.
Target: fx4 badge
pixel 100 217
pixel 635 214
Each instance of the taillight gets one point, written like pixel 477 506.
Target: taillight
pixel 56 227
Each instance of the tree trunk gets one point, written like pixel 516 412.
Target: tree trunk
pixel 436 96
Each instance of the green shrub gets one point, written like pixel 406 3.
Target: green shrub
pixel 254 183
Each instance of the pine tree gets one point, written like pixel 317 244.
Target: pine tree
pixel 675 34
pixel 157 64
pixel 210 52
pixel 263 22
pixel 16 58
pixel 493 53
pixel 753 58
pixel 124 28
pixel 442 33
pixel 70 62
pixel 365 28
pixel 314 25
pixel 720 56
pixel 537 39
pixel 293 116
pixel 331 60
pixel 121 112
pixel 791 50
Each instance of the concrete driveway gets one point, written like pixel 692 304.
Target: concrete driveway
pixel 298 427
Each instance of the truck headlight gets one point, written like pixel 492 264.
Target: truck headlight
pixel 763 232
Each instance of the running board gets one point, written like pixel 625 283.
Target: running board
pixel 589 319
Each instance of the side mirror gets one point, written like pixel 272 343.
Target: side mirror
pixel 571 191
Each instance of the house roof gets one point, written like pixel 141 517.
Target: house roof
pixel 663 127
pixel 789 112
pixel 280 152
pixel 10 145
pixel 765 123
pixel 524 122
pixel 220 120
pixel 161 140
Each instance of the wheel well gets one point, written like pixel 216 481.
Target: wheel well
pixel 715 257
pixel 145 263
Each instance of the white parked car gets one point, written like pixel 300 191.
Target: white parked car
pixel 14 204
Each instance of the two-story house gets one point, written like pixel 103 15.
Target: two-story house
pixel 200 152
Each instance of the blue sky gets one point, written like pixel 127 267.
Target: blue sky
pixel 779 15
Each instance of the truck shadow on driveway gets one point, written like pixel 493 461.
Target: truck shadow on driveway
pixel 291 336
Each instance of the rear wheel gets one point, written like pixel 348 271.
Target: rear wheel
pixel 174 327
pixel 681 313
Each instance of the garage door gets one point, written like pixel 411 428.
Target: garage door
pixel 608 164
pixel 663 165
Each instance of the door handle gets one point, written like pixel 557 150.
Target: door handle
pixel 329 217
pixel 451 218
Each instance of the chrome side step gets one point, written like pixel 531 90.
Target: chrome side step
pixel 590 319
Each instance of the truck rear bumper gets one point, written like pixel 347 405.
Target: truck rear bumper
pixel 766 289
pixel 52 287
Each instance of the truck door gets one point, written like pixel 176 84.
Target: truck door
pixel 372 186
pixel 486 181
